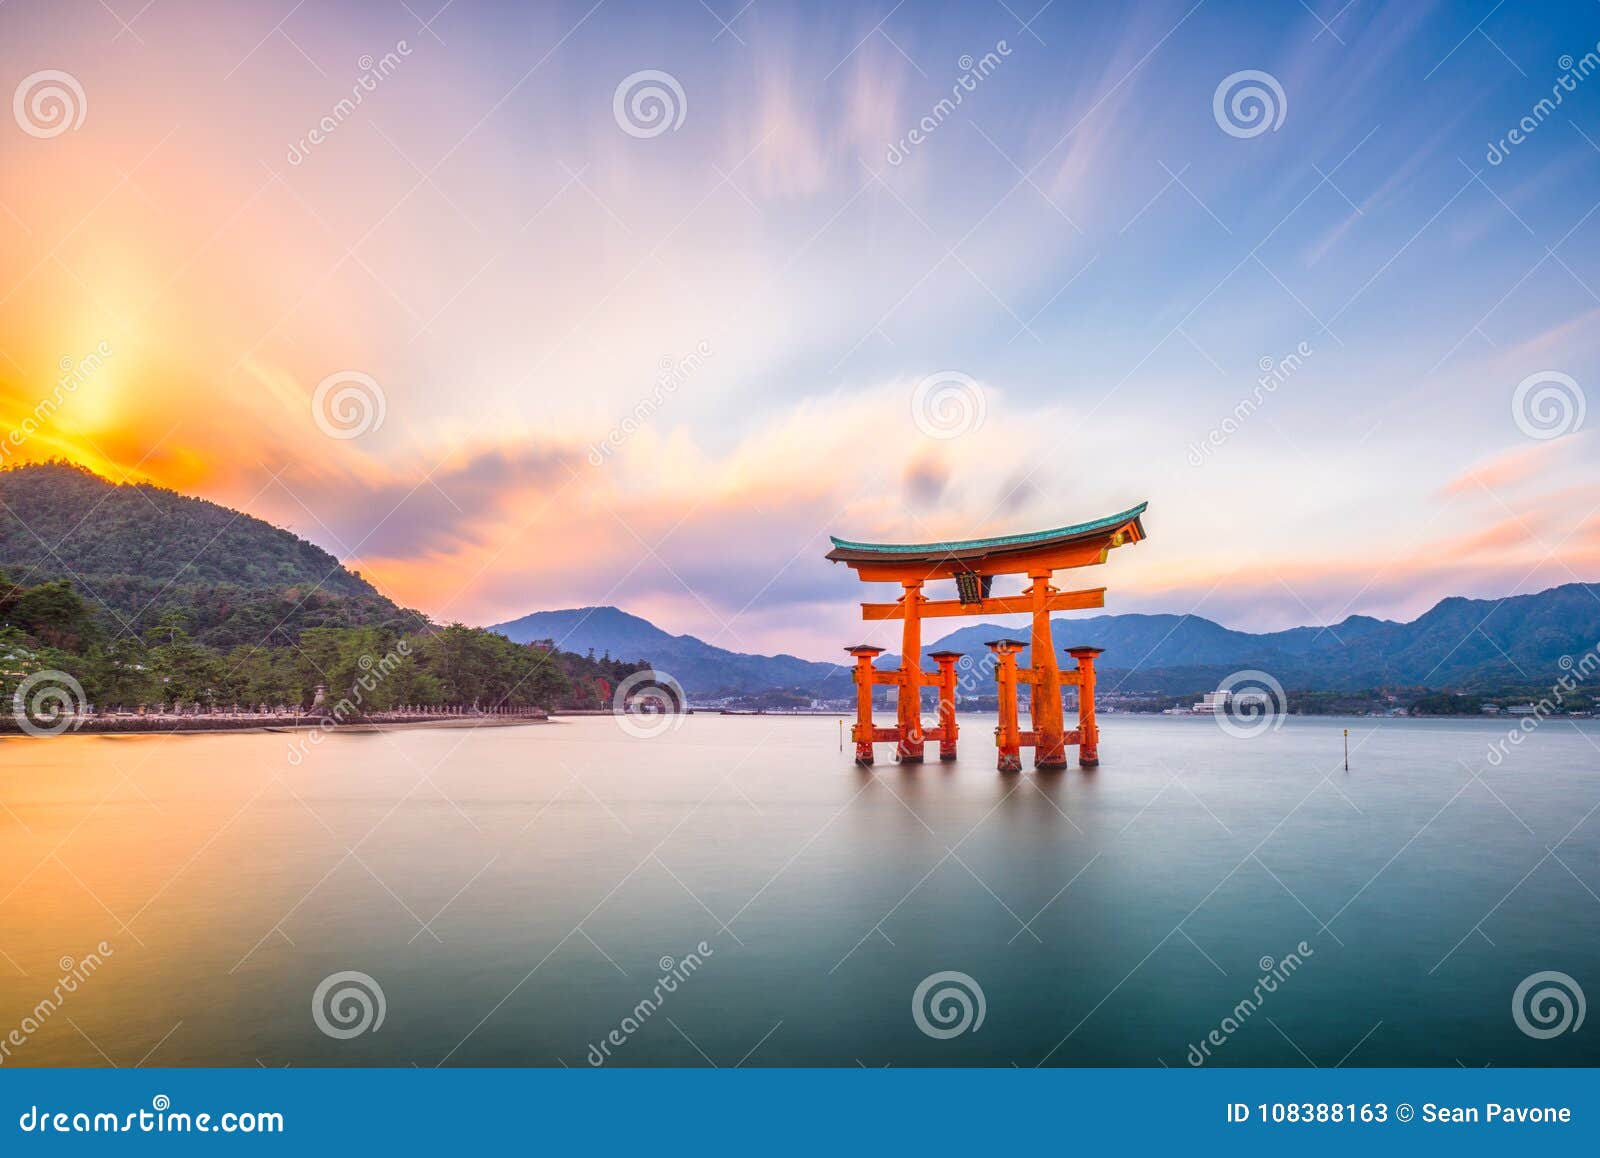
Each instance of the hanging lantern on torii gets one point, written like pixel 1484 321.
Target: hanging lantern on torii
pixel 973 564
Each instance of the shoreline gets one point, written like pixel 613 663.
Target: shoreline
pixel 289 725
pixel 206 727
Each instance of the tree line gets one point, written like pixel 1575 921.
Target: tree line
pixel 50 626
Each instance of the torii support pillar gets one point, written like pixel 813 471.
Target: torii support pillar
pixel 1008 733
pixel 948 729
pixel 863 675
pixel 1088 729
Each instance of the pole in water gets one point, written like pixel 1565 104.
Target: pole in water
pixel 1347 749
pixel 841 733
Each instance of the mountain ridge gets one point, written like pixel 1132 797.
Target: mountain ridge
pixel 144 554
pixel 700 667
pixel 1459 642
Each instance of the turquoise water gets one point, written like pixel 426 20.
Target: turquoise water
pixel 514 891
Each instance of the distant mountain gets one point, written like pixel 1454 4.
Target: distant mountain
pixel 1460 643
pixel 698 666
pixel 138 553
pixel 1163 642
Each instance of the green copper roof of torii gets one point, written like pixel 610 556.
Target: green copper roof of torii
pixel 965 545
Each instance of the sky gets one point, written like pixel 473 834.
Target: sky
pixel 522 307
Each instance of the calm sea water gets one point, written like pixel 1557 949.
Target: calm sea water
pixel 517 893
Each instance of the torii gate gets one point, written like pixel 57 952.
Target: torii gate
pixel 973 564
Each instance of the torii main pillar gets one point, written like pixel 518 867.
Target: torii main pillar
pixel 908 704
pixel 1045 713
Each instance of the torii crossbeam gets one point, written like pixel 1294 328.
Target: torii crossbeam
pixel 973 564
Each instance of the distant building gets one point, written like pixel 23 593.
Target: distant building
pixel 1213 702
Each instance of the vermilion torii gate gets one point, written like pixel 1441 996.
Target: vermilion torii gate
pixel 973 564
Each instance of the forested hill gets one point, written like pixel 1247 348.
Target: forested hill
pixel 135 595
pixel 138 553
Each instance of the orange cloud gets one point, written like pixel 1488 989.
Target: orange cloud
pixel 1508 469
